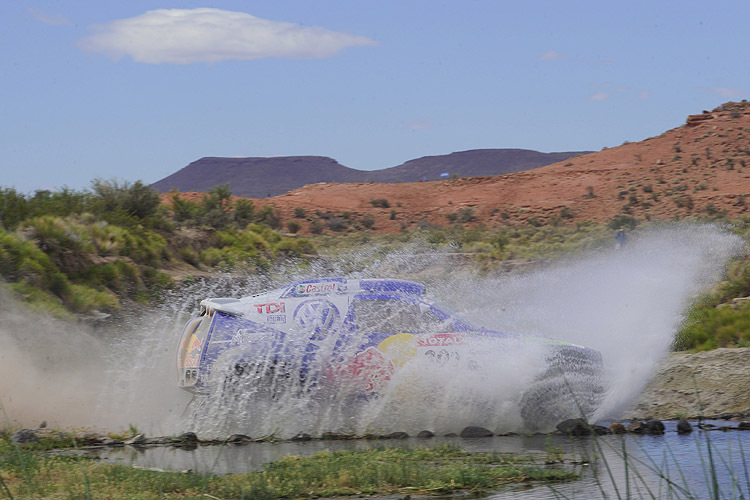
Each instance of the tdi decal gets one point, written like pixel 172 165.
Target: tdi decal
pixel 270 308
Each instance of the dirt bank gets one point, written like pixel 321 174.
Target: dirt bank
pixel 721 377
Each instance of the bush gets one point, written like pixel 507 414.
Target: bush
pixel 622 222
pixel 316 227
pixel 711 327
pixel 337 224
pixel 300 213
pixel 293 226
pixel 136 200
pixel 367 222
pixel 380 203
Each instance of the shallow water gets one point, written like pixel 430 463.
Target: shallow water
pixel 682 458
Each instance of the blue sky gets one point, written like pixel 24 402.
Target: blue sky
pixel 139 89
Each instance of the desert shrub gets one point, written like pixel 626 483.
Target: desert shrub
pixel 566 213
pixel 452 216
pixel 295 247
pixel 293 226
pixel 316 227
pixel 244 212
pixel 534 221
pixel 622 222
pixel 83 299
pixel 466 214
pixel 684 201
pixel 337 224
pixel 270 217
pixel 300 213
pixel 393 215
pixel 183 210
pixel 367 222
pixel 380 203
pixel 711 327
pixel 136 200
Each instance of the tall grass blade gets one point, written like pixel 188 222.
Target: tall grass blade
pixel 5 487
pixel 27 477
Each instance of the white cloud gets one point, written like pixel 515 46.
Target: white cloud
pixel 179 36
pixel 44 17
pixel 728 92
pixel 552 55
pixel 644 94
pixel 599 96
pixel 423 124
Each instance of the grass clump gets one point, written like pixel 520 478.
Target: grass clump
pixel 381 471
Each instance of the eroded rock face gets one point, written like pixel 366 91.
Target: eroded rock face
pixel 705 383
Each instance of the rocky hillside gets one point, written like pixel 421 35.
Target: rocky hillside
pixel 263 177
pixel 700 167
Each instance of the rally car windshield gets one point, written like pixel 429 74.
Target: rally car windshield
pixel 397 316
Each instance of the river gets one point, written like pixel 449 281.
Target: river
pixel 657 466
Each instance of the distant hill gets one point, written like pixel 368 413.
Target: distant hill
pixel 262 177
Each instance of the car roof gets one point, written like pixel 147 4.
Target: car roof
pixel 319 287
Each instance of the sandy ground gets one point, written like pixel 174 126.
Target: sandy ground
pixel 707 383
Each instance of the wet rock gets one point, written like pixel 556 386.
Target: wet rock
pixel 239 438
pixel 187 437
pixel 112 442
pixel 91 438
pixel 637 427
pixel 136 440
pixel 158 440
pixel 330 436
pixel 302 437
pixel 654 427
pixel 474 431
pixel 575 427
pixel 451 435
pixel 425 434
pixel 600 430
pixel 24 436
pixel 43 424
pixel 397 435
pixel 684 427
pixel 617 428
pixel 744 426
pixel 371 437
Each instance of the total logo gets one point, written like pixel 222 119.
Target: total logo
pixel 316 288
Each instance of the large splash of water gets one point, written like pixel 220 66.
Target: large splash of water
pixel 626 303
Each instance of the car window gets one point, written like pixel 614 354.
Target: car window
pixel 396 316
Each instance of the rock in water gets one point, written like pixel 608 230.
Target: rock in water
pixel 474 431
pixel 654 427
pixel 684 427
pixel 618 428
pixel 397 435
pixel 188 437
pixel 575 427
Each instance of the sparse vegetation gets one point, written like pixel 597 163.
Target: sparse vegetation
pixel 381 471
pixel 380 203
pixel 72 252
